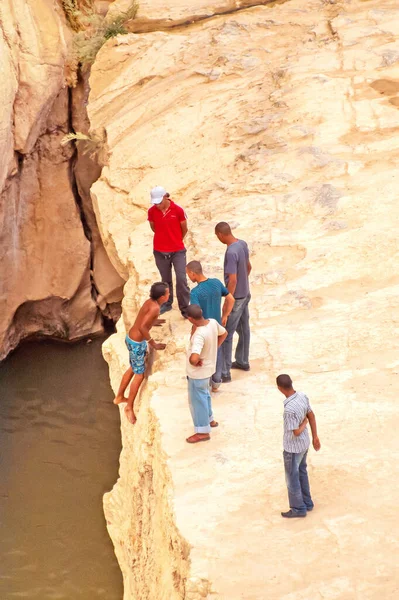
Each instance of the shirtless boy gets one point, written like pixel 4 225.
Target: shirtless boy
pixel 136 341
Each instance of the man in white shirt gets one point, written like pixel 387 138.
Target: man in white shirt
pixel 206 336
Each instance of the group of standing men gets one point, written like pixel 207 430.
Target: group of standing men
pixel 209 353
pixel 168 221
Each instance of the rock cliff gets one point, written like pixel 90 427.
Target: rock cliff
pixel 54 267
pixel 283 120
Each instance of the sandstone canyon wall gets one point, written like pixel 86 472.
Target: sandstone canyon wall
pixel 283 120
pixel 53 264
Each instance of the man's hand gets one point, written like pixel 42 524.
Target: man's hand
pixel 159 346
pixel 199 363
pixel 159 322
pixel 316 443
pixel 224 321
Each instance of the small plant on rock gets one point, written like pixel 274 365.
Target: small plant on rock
pixel 75 11
pixel 94 144
pixel 117 25
pixel 97 30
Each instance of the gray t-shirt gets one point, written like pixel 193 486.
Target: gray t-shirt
pixel 236 262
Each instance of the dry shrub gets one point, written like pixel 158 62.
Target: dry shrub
pixel 97 30
pixel 94 144
pixel 75 11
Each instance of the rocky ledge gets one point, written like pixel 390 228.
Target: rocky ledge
pixel 282 120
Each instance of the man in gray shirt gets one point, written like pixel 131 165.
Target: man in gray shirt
pixel 297 414
pixel 237 268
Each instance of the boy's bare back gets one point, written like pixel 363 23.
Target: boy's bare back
pixel 147 316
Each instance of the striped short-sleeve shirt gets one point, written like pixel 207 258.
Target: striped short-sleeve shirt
pixel 296 407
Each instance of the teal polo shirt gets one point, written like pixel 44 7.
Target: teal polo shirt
pixel 208 294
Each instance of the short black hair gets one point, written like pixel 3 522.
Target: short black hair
pixel 158 289
pixel 284 381
pixel 223 228
pixel 194 311
pixel 195 266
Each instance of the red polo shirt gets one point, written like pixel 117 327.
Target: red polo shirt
pixel 168 236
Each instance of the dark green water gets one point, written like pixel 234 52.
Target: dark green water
pixel 59 449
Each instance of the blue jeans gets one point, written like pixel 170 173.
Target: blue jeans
pixel 216 378
pixel 296 477
pixel 200 402
pixel 238 321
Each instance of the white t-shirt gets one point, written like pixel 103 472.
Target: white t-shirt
pixel 205 343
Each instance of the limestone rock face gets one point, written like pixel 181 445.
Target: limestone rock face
pixel 283 121
pixel 156 14
pixel 46 281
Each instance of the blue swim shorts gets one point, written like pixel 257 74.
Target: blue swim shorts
pixel 137 352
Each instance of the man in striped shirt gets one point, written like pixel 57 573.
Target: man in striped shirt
pixel 297 414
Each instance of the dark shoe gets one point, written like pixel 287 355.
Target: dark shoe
pixel 165 308
pixel 237 365
pixel 226 378
pixel 292 515
pixel 309 508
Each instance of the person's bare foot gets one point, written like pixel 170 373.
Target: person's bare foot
pixel 214 424
pixel 119 399
pixel 129 412
pixel 198 437
pixel 215 389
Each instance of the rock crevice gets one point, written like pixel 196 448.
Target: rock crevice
pixel 49 240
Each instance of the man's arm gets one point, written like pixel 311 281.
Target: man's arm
pixel 221 338
pixel 227 307
pixel 222 334
pixel 313 427
pixel 152 225
pixel 301 427
pixel 195 359
pixel 230 270
pixel 231 286
pixel 196 349
pixel 146 325
pixel 249 267
pixel 184 228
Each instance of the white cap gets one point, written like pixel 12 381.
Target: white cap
pixel 157 194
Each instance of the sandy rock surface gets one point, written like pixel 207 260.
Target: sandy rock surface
pixel 158 15
pixel 282 120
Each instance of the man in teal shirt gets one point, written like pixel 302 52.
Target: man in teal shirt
pixel 208 294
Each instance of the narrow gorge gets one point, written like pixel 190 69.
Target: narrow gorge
pixel 56 278
pixel 281 118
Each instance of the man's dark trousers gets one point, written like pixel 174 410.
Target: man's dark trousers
pixel 164 262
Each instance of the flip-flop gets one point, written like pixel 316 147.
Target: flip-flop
pixel 189 440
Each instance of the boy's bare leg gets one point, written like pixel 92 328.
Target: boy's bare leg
pixel 120 397
pixel 134 388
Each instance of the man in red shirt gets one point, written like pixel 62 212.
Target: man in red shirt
pixel 168 221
